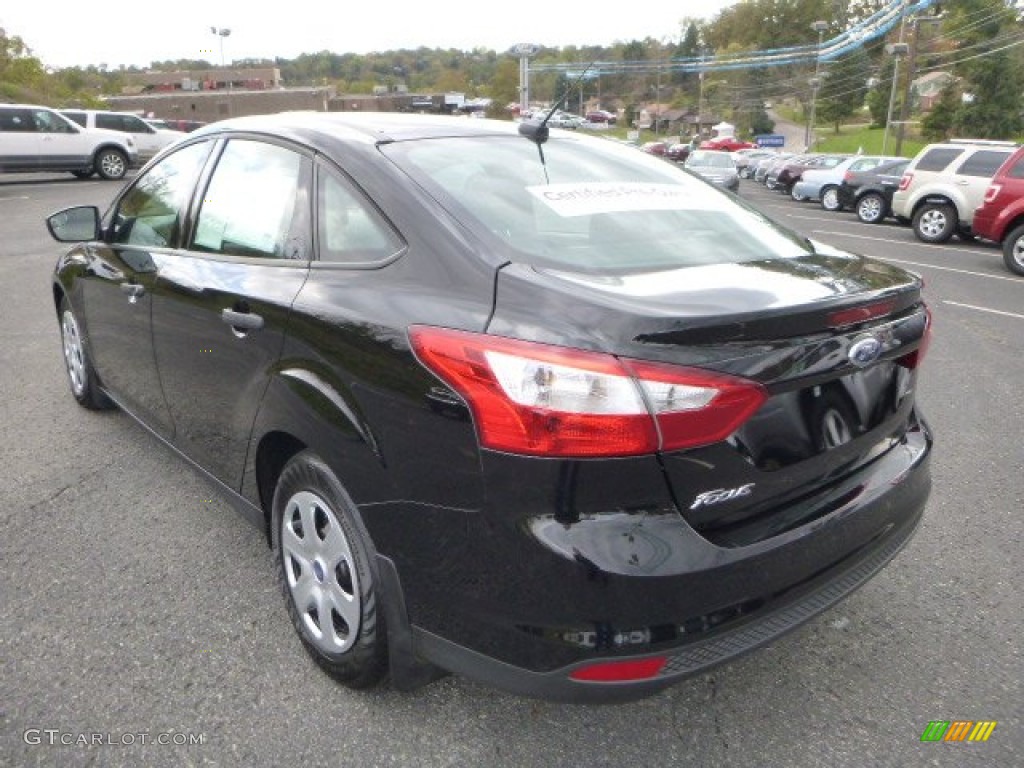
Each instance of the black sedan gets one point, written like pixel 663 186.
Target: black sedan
pixel 869 193
pixel 547 412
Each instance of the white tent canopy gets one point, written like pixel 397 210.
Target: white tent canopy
pixel 723 129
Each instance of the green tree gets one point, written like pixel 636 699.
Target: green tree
pixel 938 124
pixel 844 88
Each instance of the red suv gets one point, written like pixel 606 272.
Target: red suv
pixel 1000 217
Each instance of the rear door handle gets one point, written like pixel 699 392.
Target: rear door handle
pixel 242 321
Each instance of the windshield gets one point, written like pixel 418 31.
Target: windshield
pixel 592 205
pixel 710 160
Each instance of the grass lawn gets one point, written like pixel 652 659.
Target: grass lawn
pixel 869 140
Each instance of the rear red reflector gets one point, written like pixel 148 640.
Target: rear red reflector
pixel 543 400
pixel 854 315
pixel 914 359
pixel 905 180
pixel 620 671
pixel 992 192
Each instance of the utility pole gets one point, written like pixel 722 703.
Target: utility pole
pixel 915 28
pixel 815 83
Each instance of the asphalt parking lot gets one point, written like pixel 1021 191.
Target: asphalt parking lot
pixel 138 608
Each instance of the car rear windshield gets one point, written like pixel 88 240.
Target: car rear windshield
pixel 589 205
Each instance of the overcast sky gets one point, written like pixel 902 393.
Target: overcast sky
pixel 77 32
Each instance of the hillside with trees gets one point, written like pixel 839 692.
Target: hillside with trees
pixel 979 43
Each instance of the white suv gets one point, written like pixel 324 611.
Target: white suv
pixel 148 140
pixel 943 185
pixel 34 138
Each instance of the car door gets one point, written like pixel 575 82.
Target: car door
pixel 62 144
pixel 974 174
pixel 221 307
pixel 118 282
pixel 19 140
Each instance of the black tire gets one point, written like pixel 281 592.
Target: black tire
pixel 111 164
pixel 829 197
pixel 323 558
pixel 872 208
pixel 82 174
pixel 935 222
pixel 81 377
pixel 1013 250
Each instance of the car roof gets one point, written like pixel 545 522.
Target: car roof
pixel 369 127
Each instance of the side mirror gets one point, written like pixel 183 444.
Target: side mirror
pixel 75 225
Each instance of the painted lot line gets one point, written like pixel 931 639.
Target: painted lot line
pixel 16 197
pixel 983 309
pixel 926 265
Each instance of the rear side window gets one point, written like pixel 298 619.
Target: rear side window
pixel 16 121
pixel 1016 171
pixel 984 163
pixel 349 230
pixel 110 122
pixel 937 159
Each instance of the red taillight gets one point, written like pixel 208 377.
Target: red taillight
pixel 848 177
pixel 992 192
pixel 915 358
pixel 905 180
pixel 543 400
pixel 619 671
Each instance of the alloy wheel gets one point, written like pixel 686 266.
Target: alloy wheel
pixel 74 353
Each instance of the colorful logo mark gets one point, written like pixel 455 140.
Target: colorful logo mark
pixel 958 730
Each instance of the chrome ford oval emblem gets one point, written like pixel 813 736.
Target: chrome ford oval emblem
pixel 864 351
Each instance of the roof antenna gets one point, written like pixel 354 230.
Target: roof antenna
pixel 538 132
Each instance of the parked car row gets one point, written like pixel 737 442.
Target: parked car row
pixel 967 188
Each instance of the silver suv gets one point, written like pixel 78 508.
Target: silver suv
pixel 943 185
pixel 34 138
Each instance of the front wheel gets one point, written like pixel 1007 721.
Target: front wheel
pixel 830 199
pixel 111 164
pixel 871 208
pixel 1013 250
pixel 935 222
pixel 323 559
pixel 78 364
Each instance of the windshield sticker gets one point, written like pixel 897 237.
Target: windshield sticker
pixel 588 198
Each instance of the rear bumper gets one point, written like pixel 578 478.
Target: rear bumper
pixel 681 662
pixel 556 593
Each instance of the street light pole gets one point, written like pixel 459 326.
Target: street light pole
pixel 222 33
pixel 815 82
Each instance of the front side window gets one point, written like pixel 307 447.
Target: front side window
pixel 150 213
pixel 589 206
pixel 350 231
pixel 250 205
pixel 50 122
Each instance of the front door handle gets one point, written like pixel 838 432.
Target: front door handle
pixel 241 321
pixel 134 290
